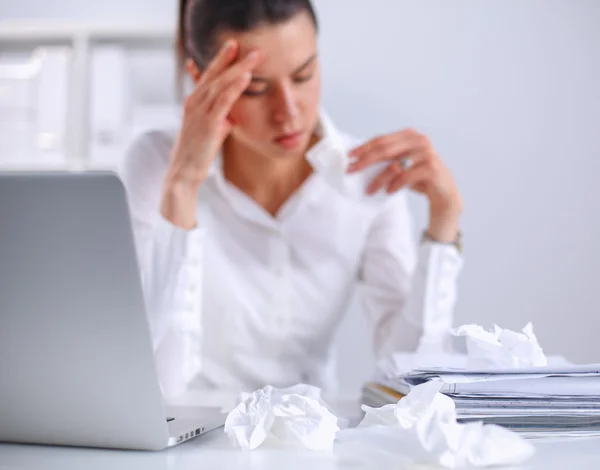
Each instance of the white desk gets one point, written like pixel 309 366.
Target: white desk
pixel 213 450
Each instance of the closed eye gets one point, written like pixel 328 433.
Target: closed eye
pixel 258 86
pixel 303 78
pixel 255 91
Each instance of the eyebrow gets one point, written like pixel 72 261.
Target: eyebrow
pixel 298 70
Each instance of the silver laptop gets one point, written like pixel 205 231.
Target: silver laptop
pixel 76 360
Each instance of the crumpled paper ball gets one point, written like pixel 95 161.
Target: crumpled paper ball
pixel 422 429
pixel 501 349
pixel 296 415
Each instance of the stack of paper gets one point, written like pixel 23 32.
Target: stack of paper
pixel 535 401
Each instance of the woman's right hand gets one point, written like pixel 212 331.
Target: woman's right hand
pixel 204 129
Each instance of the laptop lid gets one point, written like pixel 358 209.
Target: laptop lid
pixel 76 359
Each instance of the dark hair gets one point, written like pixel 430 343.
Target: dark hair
pixel 201 21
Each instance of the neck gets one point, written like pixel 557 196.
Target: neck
pixel 269 181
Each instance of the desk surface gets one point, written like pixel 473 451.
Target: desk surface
pixel 213 450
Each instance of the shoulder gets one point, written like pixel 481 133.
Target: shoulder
pixel 143 170
pixel 354 185
pixel 150 146
pixel 349 140
pixel 147 157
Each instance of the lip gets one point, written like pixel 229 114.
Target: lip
pixel 290 140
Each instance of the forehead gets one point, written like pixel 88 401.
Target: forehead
pixel 285 46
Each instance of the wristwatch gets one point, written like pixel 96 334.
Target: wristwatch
pixel 458 243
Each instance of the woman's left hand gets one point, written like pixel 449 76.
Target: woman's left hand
pixel 414 164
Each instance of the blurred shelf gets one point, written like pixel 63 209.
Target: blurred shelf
pixel 58 31
pixel 81 38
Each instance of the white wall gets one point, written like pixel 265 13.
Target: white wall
pixel 509 91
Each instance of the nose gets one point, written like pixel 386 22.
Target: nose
pixel 284 105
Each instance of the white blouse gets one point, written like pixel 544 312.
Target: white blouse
pixel 247 299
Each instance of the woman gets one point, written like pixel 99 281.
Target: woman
pixel 255 220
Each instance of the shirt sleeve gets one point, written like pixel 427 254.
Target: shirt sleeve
pixel 409 291
pixel 170 261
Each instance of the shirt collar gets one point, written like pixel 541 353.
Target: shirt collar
pixel 329 156
pixel 329 159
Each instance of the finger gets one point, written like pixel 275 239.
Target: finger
pixel 384 148
pixel 411 177
pixel 227 98
pixel 403 134
pixel 226 55
pixel 415 158
pixel 220 62
pixel 375 142
pixel 384 177
pixel 232 74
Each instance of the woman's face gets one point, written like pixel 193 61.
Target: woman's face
pixel 277 114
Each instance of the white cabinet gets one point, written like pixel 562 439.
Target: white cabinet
pixel 74 95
